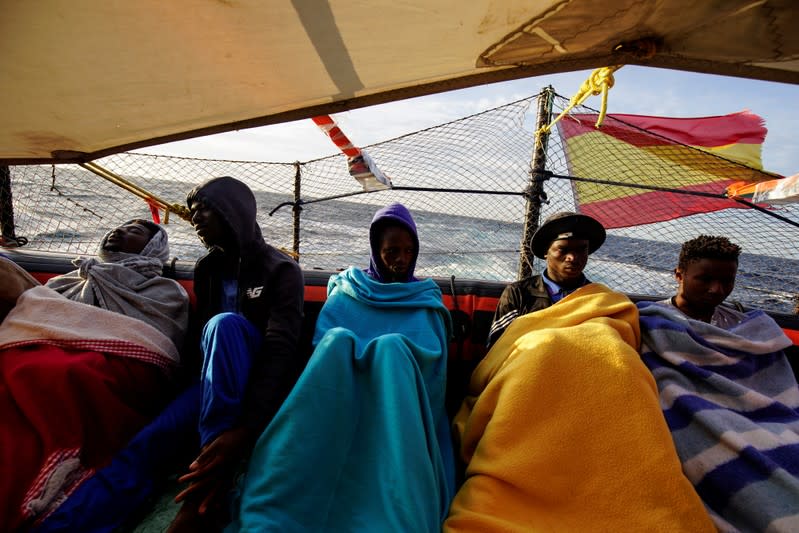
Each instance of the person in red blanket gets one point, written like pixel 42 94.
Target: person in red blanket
pixel 85 362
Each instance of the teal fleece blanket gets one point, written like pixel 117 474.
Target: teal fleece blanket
pixel 362 443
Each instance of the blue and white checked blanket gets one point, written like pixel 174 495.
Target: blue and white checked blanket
pixel 730 400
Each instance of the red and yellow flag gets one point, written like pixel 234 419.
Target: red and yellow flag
pixel 702 155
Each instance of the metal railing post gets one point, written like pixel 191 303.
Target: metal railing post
pixel 297 208
pixel 535 192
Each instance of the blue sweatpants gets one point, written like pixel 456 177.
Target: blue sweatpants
pixel 228 343
pixel 103 502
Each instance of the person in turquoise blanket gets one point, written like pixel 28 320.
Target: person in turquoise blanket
pixel 362 442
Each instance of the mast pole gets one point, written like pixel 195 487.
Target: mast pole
pixel 535 191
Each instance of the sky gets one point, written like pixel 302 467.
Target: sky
pixel 637 90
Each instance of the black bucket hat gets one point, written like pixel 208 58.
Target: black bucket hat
pixel 568 225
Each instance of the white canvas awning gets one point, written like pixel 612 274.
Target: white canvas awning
pixel 81 79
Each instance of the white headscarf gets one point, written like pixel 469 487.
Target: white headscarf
pixel 130 284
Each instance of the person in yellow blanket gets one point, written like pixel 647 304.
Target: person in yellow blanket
pixel 561 429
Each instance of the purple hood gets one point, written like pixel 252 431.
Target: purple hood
pixel 395 213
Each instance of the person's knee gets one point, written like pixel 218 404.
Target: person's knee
pixel 229 337
pixel 223 321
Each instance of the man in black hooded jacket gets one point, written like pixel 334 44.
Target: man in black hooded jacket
pixel 250 298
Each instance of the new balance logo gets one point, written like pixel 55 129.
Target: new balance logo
pixel 254 292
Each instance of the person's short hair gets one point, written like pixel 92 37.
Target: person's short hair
pixel 708 247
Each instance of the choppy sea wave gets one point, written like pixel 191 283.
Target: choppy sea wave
pixel 333 236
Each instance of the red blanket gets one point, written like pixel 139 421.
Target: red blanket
pixel 76 383
pixel 65 412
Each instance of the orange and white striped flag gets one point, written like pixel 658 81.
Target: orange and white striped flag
pixel 359 163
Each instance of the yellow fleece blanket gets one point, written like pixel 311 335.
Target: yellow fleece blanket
pixel 562 431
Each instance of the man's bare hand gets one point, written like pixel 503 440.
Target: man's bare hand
pixel 211 474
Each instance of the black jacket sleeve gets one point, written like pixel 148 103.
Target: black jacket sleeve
pixel 507 309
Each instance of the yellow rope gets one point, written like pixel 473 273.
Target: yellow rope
pixel 294 255
pixel 181 210
pixel 599 82
pixel 147 196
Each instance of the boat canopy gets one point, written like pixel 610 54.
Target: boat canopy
pixel 83 80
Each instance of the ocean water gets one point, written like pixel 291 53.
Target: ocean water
pixel 334 235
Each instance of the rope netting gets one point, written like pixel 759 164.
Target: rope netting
pixel 467 183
